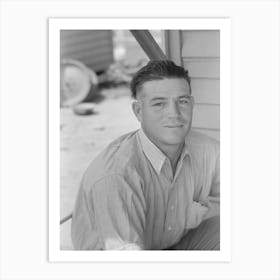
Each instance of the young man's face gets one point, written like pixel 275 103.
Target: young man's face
pixel 165 108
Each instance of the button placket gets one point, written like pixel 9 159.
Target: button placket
pixel 170 215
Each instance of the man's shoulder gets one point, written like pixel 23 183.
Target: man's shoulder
pixel 115 160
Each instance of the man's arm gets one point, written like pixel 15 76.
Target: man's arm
pixel 213 200
pixel 114 214
pixel 209 206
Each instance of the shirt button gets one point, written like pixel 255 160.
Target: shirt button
pixel 169 228
pixel 172 207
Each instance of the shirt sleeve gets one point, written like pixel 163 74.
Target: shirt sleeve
pixel 213 200
pixel 208 205
pixel 215 188
pixel 196 213
pixel 119 213
pixel 84 232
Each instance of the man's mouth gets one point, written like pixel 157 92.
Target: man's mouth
pixel 173 125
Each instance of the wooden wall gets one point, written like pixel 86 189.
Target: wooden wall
pixel 199 52
pixel 92 47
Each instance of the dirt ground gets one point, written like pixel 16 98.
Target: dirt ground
pixel 82 138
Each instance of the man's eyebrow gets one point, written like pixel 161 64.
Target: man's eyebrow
pixel 185 96
pixel 154 99
pixel 158 99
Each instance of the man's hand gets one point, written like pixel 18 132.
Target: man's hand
pixel 213 205
pixel 196 214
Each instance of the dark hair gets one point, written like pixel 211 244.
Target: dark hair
pixel 157 70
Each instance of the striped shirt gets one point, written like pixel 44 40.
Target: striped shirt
pixel 130 199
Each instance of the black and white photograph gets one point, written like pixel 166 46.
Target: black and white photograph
pixel 140 139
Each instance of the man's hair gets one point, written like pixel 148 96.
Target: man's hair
pixel 157 70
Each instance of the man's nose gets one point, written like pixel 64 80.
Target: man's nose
pixel 173 109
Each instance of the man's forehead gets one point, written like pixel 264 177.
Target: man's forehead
pixel 165 87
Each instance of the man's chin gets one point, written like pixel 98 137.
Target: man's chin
pixel 174 140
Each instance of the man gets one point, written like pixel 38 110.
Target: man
pixel 158 187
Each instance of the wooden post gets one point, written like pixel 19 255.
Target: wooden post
pixel 148 44
pixel 173 43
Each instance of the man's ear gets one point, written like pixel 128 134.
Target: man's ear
pixel 137 109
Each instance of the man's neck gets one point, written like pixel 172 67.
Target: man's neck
pixel 173 153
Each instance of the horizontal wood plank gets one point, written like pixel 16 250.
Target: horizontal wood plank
pixel 206 116
pixel 211 133
pixel 201 43
pixel 206 91
pixel 207 68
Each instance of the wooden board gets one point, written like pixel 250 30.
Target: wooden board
pixel 201 43
pixel 203 68
pixel 206 91
pixel 206 116
pixel 211 133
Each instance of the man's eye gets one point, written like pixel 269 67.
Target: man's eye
pixel 159 104
pixel 184 101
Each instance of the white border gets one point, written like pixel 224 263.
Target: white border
pixel 55 254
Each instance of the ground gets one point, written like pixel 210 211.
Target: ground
pixel 82 138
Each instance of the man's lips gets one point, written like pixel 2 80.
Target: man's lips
pixel 173 125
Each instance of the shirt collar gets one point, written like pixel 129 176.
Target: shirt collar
pixel 152 152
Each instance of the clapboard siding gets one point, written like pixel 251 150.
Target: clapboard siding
pixel 203 68
pixel 173 48
pixel 206 116
pixel 211 133
pixel 206 91
pixel 198 51
pixel 201 43
pixel 92 47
